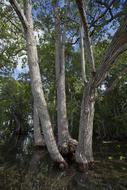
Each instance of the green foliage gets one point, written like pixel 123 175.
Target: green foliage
pixel 15 95
pixel 15 104
pixel 111 115
pixel 11 40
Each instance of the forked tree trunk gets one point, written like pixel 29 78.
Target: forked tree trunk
pixel 38 137
pixel 117 46
pixel 64 138
pixel 35 76
pixel 39 94
pixel 84 153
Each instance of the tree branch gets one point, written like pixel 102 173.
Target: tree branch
pixel 103 14
pixel 20 13
pixel 82 12
pixel 116 47
pixel 117 15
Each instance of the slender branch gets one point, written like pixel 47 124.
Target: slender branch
pixel 10 19
pixel 73 36
pixel 75 42
pixel 116 47
pixel 103 14
pixel 118 15
pixel 89 50
pixel 20 13
pixel 18 51
pixel 105 4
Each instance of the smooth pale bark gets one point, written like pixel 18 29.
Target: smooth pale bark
pixel 84 153
pixel 83 63
pixel 39 97
pixel 38 137
pixel 118 45
pixel 62 122
pixel 38 91
pixel 36 82
pixel 88 47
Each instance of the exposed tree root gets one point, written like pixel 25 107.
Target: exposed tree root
pixel 61 165
pixel 63 149
pixel 72 144
pixel 68 147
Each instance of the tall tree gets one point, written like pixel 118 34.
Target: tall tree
pixel 118 45
pixel 64 138
pixel 36 83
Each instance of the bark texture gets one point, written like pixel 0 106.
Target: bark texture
pixel 83 62
pixel 88 47
pixel 36 82
pixel 117 46
pixel 38 137
pixel 84 153
pixel 62 122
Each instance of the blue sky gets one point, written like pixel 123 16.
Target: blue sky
pixel 19 68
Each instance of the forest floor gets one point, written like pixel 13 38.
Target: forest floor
pixel 27 168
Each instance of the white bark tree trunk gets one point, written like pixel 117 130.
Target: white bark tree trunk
pixel 38 137
pixel 62 122
pixel 35 76
pixel 83 63
pixel 64 138
pixel 118 45
pixel 38 92
pixel 84 153
pixel 41 104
